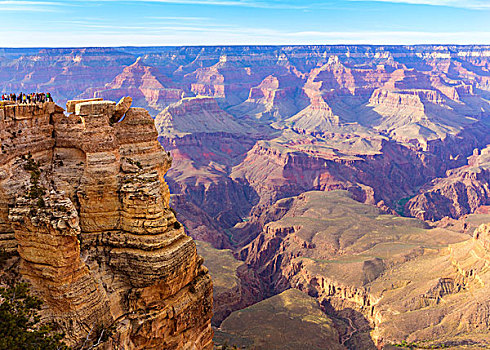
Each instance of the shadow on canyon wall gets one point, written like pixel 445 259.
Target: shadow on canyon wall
pixel 352 326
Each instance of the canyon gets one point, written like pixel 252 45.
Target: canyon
pixel 356 174
pixel 396 279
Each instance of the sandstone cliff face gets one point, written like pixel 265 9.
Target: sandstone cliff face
pixel 84 201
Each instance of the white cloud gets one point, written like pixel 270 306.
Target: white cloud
pixel 469 4
pixel 31 6
pixel 175 18
pixel 274 4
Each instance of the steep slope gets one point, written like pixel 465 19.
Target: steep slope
pixel 291 320
pixel 206 142
pixel 235 286
pixel 275 98
pixel 461 192
pixel 146 84
pixel 89 209
pixel 364 267
pixel 318 117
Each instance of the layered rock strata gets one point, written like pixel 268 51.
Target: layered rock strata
pixel 84 202
pixel 461 192
pixel 364 267
pixel 205 142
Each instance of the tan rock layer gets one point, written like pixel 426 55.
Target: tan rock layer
pixel 86 198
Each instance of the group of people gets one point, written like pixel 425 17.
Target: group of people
pixel 28 98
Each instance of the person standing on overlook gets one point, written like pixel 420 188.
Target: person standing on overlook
pixel 23 98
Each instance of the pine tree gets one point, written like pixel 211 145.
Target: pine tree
pixel 19 322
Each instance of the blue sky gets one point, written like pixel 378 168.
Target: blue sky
pixel 57 23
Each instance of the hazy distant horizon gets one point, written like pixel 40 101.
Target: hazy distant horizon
pixel 231 45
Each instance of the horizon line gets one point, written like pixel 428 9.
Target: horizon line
pixel 229 45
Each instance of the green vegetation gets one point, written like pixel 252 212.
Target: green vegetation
pixel 21 329
pixel 19 322
pixel 400 205
pixel 406 345
pixel 35 191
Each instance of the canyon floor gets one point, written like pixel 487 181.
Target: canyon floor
pixel 342 192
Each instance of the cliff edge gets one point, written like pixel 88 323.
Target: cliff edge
pixel 84 202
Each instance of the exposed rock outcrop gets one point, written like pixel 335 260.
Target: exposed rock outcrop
pixel 461 192
pixel 84 201
pixel 235 286
pixel 383 279
pixel 146 84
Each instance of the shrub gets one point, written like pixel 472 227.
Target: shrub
pixel 19 322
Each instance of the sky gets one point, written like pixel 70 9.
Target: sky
pixel 59 23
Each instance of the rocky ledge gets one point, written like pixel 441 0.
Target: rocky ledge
pixel 84 203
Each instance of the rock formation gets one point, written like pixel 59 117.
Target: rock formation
pixel 252 131
pixel 380 121
pixel 145 84
pixel 289 321
pixel 461 192
pixel 235 286
pixel 84 201
pixel 382 279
